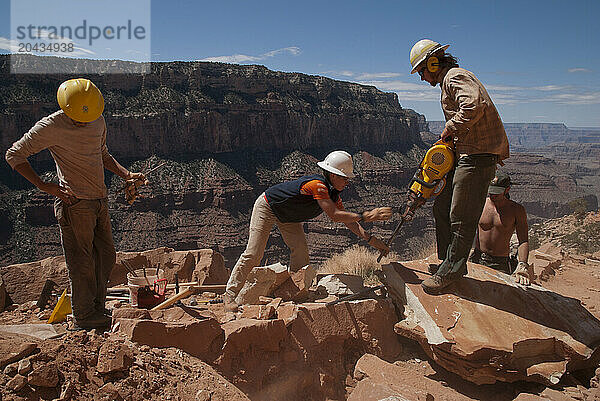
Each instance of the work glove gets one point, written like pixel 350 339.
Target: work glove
pixel 379 245
pixel 379 213
pixel 521 274
pixel 133 182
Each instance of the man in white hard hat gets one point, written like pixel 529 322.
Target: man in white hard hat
pixel 473 123
pixel 75 135
pixel 288 205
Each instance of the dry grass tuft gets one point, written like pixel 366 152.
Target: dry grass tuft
pixel 357 260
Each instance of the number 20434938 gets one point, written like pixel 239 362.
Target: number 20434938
pixel 45 47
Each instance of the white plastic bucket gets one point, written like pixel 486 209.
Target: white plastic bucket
pixel 134 283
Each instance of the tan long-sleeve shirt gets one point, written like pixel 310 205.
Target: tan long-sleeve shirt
pixel 471 116
pixel 79 152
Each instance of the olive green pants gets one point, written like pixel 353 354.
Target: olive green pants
pixel 458 208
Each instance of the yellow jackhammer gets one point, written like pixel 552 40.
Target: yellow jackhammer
pixel 429 180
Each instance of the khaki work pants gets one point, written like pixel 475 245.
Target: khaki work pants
pixel 87 242
pixel 261 223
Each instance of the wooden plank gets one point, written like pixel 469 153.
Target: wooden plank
pixel 184 294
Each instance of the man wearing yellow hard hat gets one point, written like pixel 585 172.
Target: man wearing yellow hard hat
pixel 75 135
pixel 475 127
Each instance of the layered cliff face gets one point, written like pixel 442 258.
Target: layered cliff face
pixel 226 133
pixel 197 107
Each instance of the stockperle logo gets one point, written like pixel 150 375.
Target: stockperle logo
pixel 90 33
pixel 113 30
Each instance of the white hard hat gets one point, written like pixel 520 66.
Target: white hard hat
pixel 338 162
pixel 423 49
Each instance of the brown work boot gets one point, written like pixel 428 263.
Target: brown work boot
pixel 96 321
pixel 229 303
pixel 435 284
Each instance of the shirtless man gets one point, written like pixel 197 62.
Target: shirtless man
pixel 499 219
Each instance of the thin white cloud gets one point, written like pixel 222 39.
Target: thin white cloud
pixel 332 73
pixel 550 88
pixel 420 96
pixel 504 88
pixel 293 50
pixel 10 45
pixel 576 98
pixel 243 58
pixel 378 75
pixel 579 69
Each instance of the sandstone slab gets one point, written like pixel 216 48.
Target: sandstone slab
pixel 198 334
pixel 210 267
pixel 245 339
pixel 24 281
pixel 340 284
pixel 486 328
pixel 11 369
pixel 261 281
pixel 366 323
pixel 261 312
pixel 417 380
pixel 42 331
pixel 296 287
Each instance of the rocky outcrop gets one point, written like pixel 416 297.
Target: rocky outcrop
pixel 24 282
pixel 486 328
pixel 576 232
pixel 302 352
pixel 306 352
pixel 546 187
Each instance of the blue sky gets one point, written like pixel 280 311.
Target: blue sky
pixel 540 60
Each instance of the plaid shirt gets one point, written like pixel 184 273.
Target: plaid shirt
pixel 471 116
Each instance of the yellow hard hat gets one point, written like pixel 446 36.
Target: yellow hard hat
pixel 423 49
pixel 80 99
